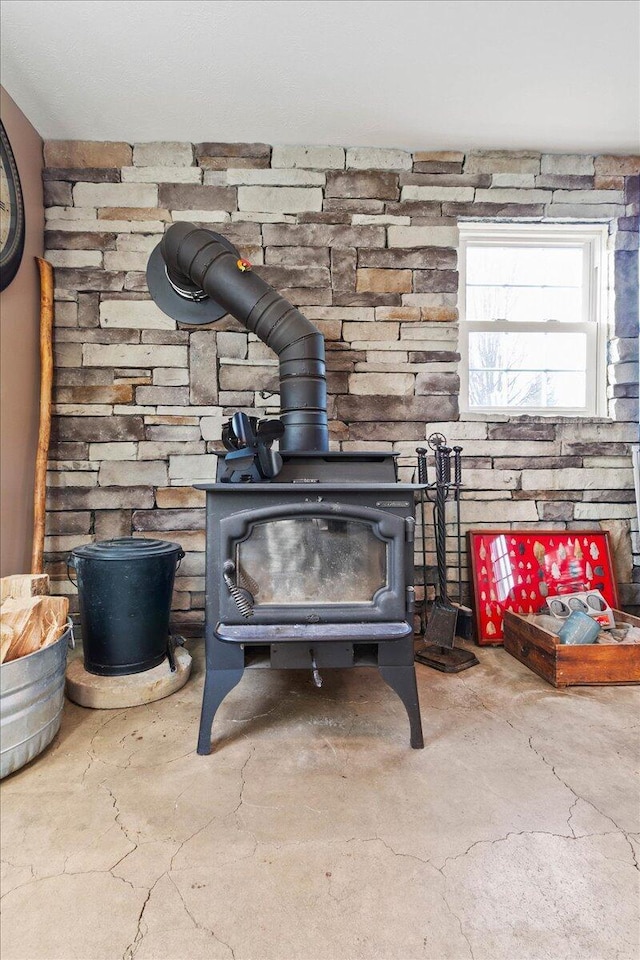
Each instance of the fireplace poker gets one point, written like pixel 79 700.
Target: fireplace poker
pixel 423 478
pixel 457 481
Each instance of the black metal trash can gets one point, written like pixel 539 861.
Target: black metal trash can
pixel 124 590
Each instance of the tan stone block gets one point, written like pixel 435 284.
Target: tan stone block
pixel 127 473
pixel 168 153
pixel 179 497
pixel 429 236
pixel 614 166
pixel 135 213
pixel 115 195
pixel 128 355
pixel 125 260
pixel 378 158
pixel 381 384
pixel 86 153
pixel 439 314
pixel 459 194
pixel 570 164
pixel 588 196
pixel 503 195
pixel 279 199
pixel 114 450
pixel 383 281
pixel 502 161
pixel 161 175
pixel 170 377
pixel 398 313
pixel 75 258
pixel 308 157
pixel 608 183
pixel 370 331
pixel 118 393
pixel 134 314
pixel 274 178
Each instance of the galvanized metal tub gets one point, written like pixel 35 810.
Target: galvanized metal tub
pixel 31 701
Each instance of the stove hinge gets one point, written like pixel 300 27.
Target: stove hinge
pixel 409 529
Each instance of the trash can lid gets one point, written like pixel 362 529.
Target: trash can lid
pixel 126 548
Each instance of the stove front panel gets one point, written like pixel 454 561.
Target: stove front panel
pixel 313 562
pixel 332 554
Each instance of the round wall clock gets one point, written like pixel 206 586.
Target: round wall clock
pixel 12 224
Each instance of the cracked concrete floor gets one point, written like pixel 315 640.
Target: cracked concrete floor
pixel 313 831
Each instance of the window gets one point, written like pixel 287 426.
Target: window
pixel 531 331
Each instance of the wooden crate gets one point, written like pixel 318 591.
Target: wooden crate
pixel 564 665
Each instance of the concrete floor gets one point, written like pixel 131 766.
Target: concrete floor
pixel 314 831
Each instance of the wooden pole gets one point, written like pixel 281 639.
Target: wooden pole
pixel 44 430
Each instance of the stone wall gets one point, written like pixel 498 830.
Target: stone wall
pixel 364 241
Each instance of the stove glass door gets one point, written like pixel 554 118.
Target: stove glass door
pixel 312 560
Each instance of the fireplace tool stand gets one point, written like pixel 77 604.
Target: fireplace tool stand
pixel 439 631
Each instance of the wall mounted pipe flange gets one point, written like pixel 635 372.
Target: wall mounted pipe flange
pixel 182 309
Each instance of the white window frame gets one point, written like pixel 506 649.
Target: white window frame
pixel 592 237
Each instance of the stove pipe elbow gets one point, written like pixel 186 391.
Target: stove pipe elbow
pixel 199 261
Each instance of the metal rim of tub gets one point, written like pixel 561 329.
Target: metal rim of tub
pixel 31 702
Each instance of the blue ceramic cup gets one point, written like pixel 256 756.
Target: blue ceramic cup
pixel 579 628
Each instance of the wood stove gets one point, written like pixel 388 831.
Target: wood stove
pixel 309 553
pixel 313 571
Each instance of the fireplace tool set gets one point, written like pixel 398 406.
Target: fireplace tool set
pixel 439 628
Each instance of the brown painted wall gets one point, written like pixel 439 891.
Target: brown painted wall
pixel 19 358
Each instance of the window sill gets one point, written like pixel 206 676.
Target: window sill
pixel 499 416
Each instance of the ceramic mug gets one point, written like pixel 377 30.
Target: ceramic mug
pixel 579 628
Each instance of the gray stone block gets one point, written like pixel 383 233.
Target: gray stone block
pixel 88 279
pixel 112 524
pixel 373 184
pixel 343 269
pixel 556 510
pixel 626 293
pixel 94 429
pixel 428 384
pixel 297 256
pixel 383 408
pixel 435 281
pixel 324 235
pixel 203 358
pixel 191 196
pixel 423 258
pixel 127 473
pixel 280 276
pixel 100 498
pixel 525 430
pixel 254 150
pixel 308 157
pixel 176 396
pixel 163 153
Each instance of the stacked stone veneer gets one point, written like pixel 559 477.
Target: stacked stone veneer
pixel 364 241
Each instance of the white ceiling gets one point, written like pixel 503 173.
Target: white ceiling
pixel 553 75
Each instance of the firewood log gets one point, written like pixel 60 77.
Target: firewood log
pixel 24 585
pixel 35 622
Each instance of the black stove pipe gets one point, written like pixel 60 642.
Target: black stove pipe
pixel 197 261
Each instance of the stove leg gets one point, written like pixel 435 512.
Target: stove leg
pixel 403 681
pixel 217 684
